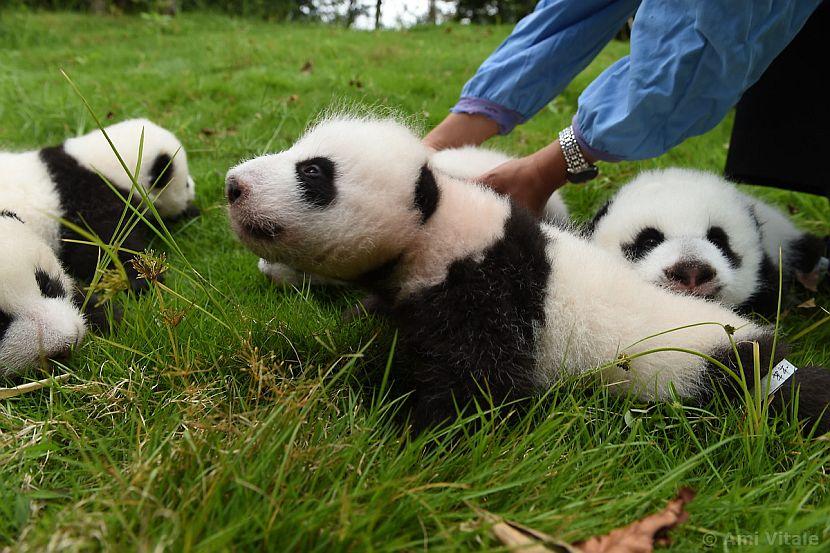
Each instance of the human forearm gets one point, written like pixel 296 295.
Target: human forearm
pixel 461 129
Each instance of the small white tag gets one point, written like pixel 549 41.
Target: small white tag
pixel 779 374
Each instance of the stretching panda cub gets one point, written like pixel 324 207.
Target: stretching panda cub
pixel 466 163
pixel 696 233
pixel 43 186
pixel 484 296
pixel 38 318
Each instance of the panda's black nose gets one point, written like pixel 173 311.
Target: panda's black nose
pixel 690 275
pixel 233 190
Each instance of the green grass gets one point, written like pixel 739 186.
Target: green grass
pixel 258 427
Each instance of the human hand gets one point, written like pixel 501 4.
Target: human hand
pixel 530 180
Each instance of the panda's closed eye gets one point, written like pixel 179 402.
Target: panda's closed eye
pixel 5 323
pixel 718 237
pixel 49 286
pixel 646 240
pixel 316 179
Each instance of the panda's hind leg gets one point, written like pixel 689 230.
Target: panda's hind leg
pixel 809 386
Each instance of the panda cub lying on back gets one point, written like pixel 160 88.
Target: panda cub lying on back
pixel 40 187
pixel 484 296
pixel 696 233
pixel 466 163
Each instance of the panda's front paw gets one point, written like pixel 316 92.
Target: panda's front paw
pixel 280 274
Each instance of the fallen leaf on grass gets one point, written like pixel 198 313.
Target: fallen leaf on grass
pixel 641 536
pixel 638 537
pixel 809 304
pixel 307 67
pixel 6 393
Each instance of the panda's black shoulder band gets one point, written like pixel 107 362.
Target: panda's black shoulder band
pixel 427 194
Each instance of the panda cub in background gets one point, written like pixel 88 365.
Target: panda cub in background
pixel 466 163
pixel 38 319
pixel 483 295
pixel 65 182
pixel 696 233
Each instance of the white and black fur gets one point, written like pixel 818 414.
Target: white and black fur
pixel 65 182
pixel 695 232
pixel 485 297
pixel 38 318
pixel 465 163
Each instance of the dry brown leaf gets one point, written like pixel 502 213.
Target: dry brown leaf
pixel 809 304
pixel 638 537
pixel 641 536
pixel 307 67
pixel 31 386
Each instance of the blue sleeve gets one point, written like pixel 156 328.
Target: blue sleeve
pixel 545 51
pixel 690 62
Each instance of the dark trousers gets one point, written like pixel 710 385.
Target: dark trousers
pixel 781 135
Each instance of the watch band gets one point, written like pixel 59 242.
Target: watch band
pixel 579 169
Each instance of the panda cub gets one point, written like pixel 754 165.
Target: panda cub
pixel 64 182
pixel 38 313
pixel 696 233
pixel 484 296
pixel 466 163
pixel 38 318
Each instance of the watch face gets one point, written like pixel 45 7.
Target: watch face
pixel 584 176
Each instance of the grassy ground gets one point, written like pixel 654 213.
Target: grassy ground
pixel 251 424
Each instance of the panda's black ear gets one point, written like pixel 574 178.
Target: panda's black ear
pixel 592 224
pixel 10 214
pixel 427 194
pixel 806 251
pixel 161 171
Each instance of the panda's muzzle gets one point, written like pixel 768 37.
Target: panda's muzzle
pixel 247 226
pixel 267 230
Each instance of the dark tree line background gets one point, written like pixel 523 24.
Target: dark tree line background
pixel 341 12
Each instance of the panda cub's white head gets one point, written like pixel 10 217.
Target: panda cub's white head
pixel 690 231
pixel 340 203
pixel 38 318
pixel 163 173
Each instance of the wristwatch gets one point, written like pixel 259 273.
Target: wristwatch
pixel 579 170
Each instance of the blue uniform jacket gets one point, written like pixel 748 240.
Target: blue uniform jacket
pixel 690 62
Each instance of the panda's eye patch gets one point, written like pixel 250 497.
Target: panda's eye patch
pixel 718 237
pixel 5 323
pixel 49 286
pixel 646 240
pixel 316 180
